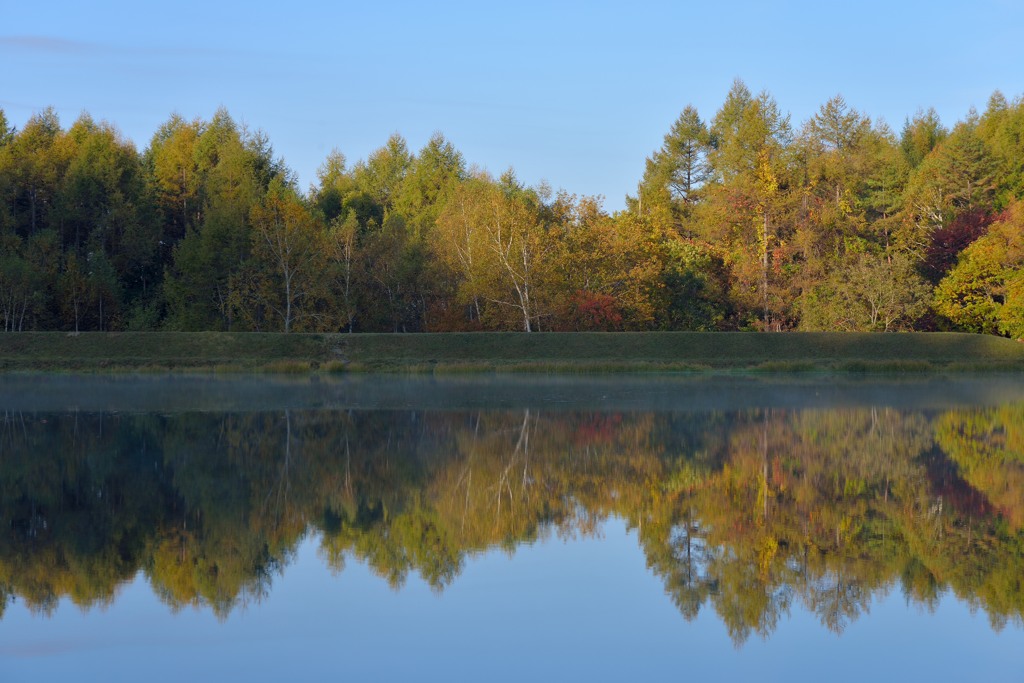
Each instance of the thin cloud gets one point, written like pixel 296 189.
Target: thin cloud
pixel 22 105
pixel 62 46
pixel 49 45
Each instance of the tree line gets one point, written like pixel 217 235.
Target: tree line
pixel 741 221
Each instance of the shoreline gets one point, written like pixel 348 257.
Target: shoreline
pixel 507 353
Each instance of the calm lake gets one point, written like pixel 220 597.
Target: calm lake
pixel 481 528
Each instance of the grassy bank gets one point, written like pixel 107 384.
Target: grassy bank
pixel 480 352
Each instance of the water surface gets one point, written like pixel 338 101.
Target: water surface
pixel 477 527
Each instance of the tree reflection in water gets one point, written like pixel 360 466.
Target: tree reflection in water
pixel 747 512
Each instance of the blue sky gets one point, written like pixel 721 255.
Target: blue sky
pixel 577 93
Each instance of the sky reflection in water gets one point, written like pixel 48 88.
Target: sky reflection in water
pixel 309 535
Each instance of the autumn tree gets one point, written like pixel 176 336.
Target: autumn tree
pixel 920 135
pixel 172 165
pixel 949 241
pixel 283 277
pixel 107 215
pixel 749 202
pixel 738 223
pixel 6 130
pixel 675 174
pixel 1001 127
pixel 461 245
pixel 867 292
pixel 430 182
pixel 851 181
pixel 494 237
pixel 340 251
pixel 958 176
pixel 18 284
pixel 984 292
pixel 884 186
pixel 837 158
pixel 74 290
pixel 695 291
pixel 609 268
pixel 383 172
pixel 229 171
pixel 432 177
pixel 37 159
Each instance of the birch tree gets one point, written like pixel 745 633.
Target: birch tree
pixel 287 246
pixel 494 237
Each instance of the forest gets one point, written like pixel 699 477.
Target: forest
pixel 740 221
